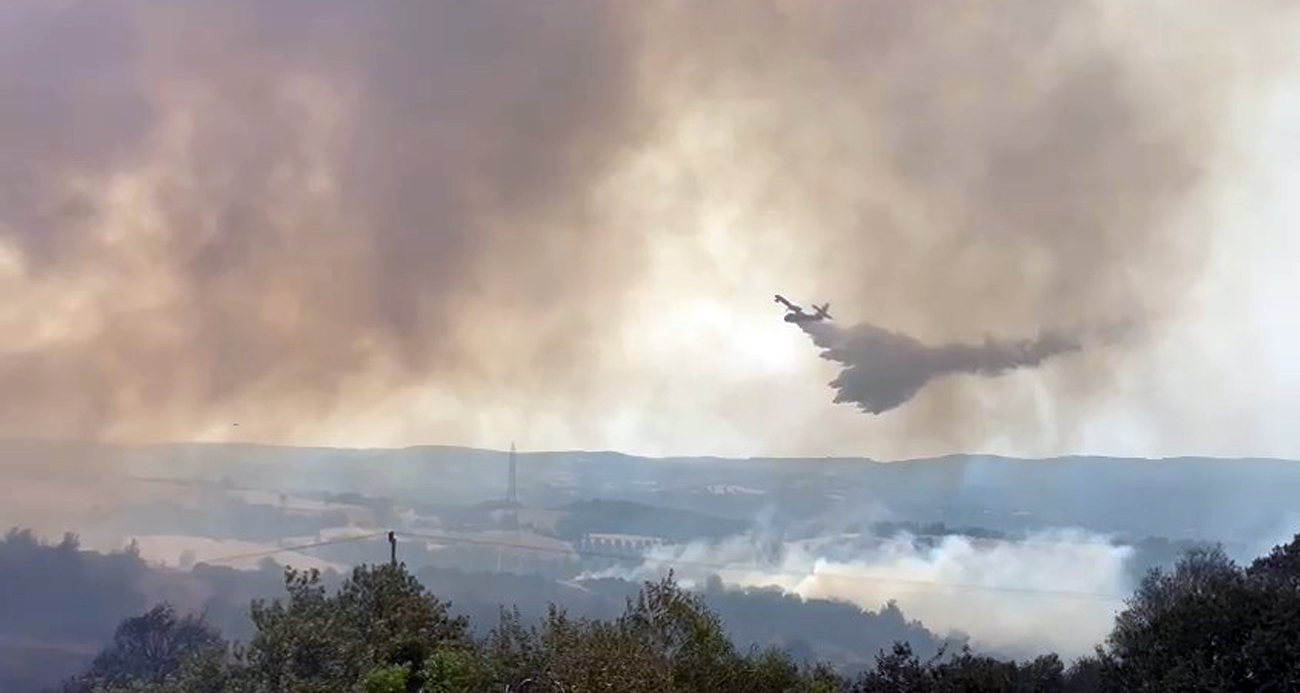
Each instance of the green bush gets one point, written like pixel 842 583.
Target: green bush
pixel 1207 625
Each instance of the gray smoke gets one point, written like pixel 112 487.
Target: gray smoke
pixel 884 369
pixel 276 210
pixel 213 208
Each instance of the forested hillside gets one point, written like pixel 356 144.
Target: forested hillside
pixel 1206 625
pixel 72 599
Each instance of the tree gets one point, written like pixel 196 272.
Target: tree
pixel 379 617
pixel 1206 625
pixel 1275 648
pixel 1209 625
pixel 1046 674
pixel 450 670
pixel 390 679
pixel 149 649
pixel 1281 566
pixel 899 671
pixel 1084 675
pixel 685 633
pixel 666 640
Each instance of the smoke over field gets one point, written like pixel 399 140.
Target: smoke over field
pixel 1056 590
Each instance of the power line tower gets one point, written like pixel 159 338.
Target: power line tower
pixel 512 497
pixel 511 505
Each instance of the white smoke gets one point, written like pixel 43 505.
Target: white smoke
pixel 1057 590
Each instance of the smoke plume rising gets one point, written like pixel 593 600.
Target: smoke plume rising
pixel 1018 598
pixel 884 369
pixel 217 211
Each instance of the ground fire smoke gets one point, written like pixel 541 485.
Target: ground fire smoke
pixel 1014 596
pixel 884 369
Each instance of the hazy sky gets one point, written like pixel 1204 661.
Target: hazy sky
pixel 563 223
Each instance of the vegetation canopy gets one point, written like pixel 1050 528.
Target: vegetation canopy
pixel 1205 625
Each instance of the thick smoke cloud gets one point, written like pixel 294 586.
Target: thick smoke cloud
pixel 214 202
pixel 259 211
pixel 884 369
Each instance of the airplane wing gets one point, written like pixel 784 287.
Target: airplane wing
pixel 783 301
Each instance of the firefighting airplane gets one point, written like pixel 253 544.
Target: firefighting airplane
pixel 796 314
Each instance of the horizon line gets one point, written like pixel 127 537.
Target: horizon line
pixel 678 457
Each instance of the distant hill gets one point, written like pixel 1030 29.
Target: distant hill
pixel 1230 499
pixel 625 517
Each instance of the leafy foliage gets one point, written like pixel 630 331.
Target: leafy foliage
pixel 388 680
pixel 1206 625
pixel 379 617
pixel 149 649
pixel 1209 625
pixel 74 598
pixel 900 670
